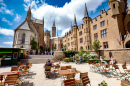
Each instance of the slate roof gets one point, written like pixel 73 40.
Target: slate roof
pixel 37 21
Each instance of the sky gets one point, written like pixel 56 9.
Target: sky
pixel 13 13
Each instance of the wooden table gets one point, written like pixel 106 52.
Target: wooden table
pixel 8 73
pixel 127 70
pixel 65 72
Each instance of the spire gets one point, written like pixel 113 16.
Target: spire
pixel 86 11
pixel 103 9
pixel 29 13
pixel 54 23
pixel 75 23
pixel 43 19
pixel 71 26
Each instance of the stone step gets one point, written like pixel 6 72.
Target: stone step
pixel 38 59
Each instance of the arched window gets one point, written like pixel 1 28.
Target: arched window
pixel 128 26
pixel 81 47
pixel 23 38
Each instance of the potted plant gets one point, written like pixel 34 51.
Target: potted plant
pixel 103 83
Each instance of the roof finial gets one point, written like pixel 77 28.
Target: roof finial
pixel 86 11
pixel 75 23
pixel 53 23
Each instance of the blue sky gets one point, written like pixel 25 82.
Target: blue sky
pixel 13 13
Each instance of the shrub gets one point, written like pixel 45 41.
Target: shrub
pixel 92 56
pixel 68 60
pixel 96 45
pixel 70 53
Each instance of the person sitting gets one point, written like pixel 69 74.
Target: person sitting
pixel 48 63
pixel 102 60
pixel 112 60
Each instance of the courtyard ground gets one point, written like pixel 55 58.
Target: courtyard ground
pixel 37 77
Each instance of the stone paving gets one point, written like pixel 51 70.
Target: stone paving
pixel 37 77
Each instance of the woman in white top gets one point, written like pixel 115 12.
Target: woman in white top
pixel 112 60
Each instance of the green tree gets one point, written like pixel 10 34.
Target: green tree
pixel 47 49
pixel 96 45
pixel 64 48
pixel 33 44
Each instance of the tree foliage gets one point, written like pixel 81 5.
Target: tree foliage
pixel 33 44
pixel 96 45
pixel 64 48
pixel 47 49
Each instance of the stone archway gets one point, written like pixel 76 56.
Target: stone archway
pixel 128 26
pixel 127 44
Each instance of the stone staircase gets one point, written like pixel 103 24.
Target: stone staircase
pixel 38 59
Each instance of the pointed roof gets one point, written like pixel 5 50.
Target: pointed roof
pixel 75 23
pixel 86 11
pixel 103 9
pixel 71 26
pixel 54 23
pixel 43 19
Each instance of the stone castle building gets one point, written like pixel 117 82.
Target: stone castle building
pixel 25 32
pixel 111 28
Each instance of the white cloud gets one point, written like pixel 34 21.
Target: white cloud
pixel 10 43
pixel 5 20
pixel 64 31
pixel 62 15
pixel 17 18
pixel 7 32
pixel 2 3
pixel 6 11
pixel 26 1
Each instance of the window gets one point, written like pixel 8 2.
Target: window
pixel 105 44
pixel 94 27
pixel 96 36
pixel 71 43
pixel 65 40
pixel 71 37
pixel 86 30
pixel 68 44
pixel 81 47
pixel 60 41
pixel 103 33
pixel 81 40
pixel 114 6
pixel 68 39
pixel 102 23
pixel 88 47
pixel 80 33
pixel 23 38
pixel 88 38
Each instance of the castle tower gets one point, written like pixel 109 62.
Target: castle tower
pixel 75 28
pixel 86 27
pixel 47 39
pixel 54 29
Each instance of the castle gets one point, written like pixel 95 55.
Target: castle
pixel 111 28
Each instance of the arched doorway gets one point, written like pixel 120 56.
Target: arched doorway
pixel 128 26
pixel 127 44
pixel 81 47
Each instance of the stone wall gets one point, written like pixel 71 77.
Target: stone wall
pixel 121 55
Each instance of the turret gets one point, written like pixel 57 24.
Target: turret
pixel 54 29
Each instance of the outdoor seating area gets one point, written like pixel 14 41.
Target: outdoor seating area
pixel 16 75
pixel 66 74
